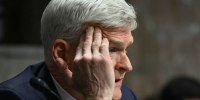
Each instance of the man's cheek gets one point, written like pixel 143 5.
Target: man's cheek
pixel 113 63
pixel 114 58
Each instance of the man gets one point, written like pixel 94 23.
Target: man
pixel 181 88
pixel 85 45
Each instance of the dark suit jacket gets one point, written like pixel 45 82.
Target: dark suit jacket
pixel 19 88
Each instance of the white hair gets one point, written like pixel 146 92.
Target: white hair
pixel 65 19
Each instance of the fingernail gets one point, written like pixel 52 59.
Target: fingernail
pixel 105 39
pixel 90 27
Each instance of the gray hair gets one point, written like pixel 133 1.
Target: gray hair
pixel 65 19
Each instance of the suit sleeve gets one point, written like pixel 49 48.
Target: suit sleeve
pixel 9 95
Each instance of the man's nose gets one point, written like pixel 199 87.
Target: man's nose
pixel 124 63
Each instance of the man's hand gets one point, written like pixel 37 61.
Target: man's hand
pixel 93 73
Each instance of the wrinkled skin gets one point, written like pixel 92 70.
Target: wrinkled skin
pixel 97 68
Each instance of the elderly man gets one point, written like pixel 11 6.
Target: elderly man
pixel 85 45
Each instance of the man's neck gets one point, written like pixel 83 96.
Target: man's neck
pixel 63 84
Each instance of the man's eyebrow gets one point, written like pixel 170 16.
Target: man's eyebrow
pixel 120 43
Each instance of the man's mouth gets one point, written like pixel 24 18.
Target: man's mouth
pixel 118 82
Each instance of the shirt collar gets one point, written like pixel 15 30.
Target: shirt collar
pixel 63 94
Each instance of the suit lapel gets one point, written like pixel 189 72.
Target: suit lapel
pixel 44 74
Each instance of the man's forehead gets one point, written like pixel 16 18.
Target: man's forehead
pixel 121 42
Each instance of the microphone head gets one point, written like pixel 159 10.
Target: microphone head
pixel 39 84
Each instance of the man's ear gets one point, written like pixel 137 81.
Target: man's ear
pixel 59 51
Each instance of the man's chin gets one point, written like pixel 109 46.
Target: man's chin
pixel 117 94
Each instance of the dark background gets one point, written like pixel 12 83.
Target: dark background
pixel 167 41
pixel 21 21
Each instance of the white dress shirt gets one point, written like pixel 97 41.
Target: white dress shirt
pixel 63 94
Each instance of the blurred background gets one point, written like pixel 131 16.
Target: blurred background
pixel 167 41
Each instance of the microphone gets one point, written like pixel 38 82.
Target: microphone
pixel 41 86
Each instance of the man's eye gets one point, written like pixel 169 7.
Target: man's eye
pixel 112 49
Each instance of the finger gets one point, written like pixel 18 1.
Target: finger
pixel 105 47
pixel 88 42
pixel 79 48
pixel 97 39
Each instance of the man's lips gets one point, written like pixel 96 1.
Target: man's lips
pixel 118 82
